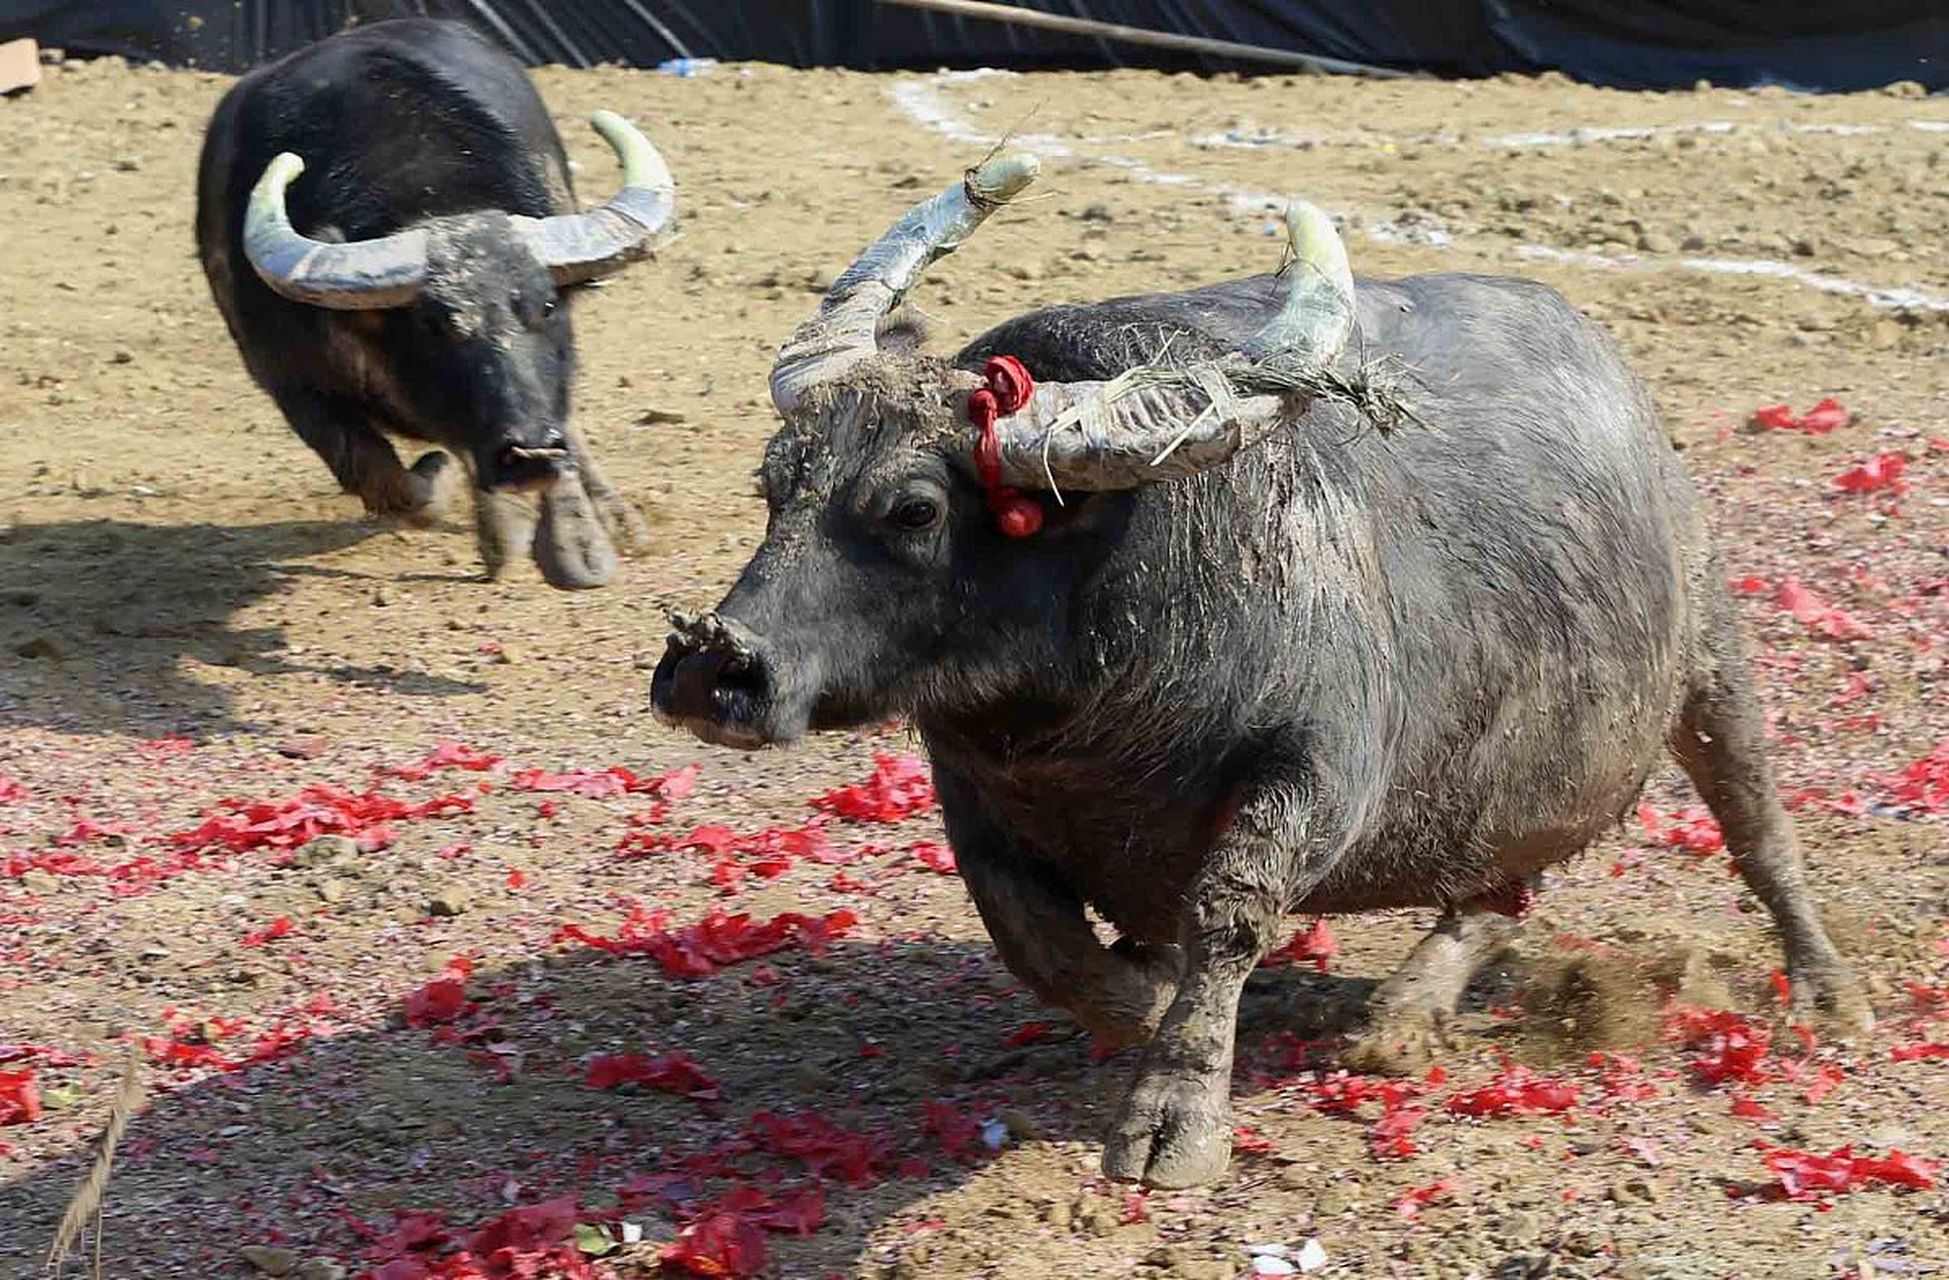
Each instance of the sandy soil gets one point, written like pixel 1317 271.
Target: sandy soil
pixel 190 613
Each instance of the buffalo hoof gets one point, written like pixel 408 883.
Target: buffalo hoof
pixel 1830 996
pixel 1175 1131
pixel 415 497
pixel 572 546
pixel 624 523
pixel 504 529
pixel 1395 1042
pixel 426 477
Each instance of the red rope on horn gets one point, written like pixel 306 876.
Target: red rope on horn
pixel 1006 388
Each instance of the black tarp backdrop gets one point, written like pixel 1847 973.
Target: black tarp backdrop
pixel 1832 45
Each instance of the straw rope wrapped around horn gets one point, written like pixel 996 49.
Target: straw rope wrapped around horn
pixel 1150 423
pixel 1158 422
pixel 389 271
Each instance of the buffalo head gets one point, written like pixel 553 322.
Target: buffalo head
pixel 466 308
pixel 920 551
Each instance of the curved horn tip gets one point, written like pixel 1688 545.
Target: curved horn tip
pixel 1317 243
pixel 643 164
pixel 1005 176
pixel 282 171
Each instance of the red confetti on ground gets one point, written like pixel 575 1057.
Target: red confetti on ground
pixel 526 1243
pixel 1622 1080
pixel 798 1212
pixel 1247 1141
pixel 901 787
pixel 1823 619
pixel 1516 1091
pixel 446 755
pixel 1029 1033
pixel 673 1072
pixel 935 856
pixel 1734 1048
pixel 1392 1136
pixel 1930 1002
pixel 1751 1109
pixel 958 1132
pixel 1692 829
pixel 1803 1175
pixel 723 1244
pixel 1819 420
pixel 825 1148
pixel 1883 471
pixel 190 1045
pixel 1411 1202
pixel 320 810
pixel 280 927
pixel 1827 1077
pixel 1915 1052
pixel 766 854
pixel 442 1000
pixel 1314 945
pixel 20 1100
pixel 699 950
pixel 1923 787
pixel 604 784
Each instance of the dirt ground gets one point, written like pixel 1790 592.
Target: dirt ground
pixel 190 614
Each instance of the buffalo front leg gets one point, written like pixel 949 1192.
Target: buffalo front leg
pixel 623 522
pixel 1720 739
pixel 364 461
pixel 504 528
pixel 1175 1127
pixel 1039 928
pixel 572 545
pixel 1408 1014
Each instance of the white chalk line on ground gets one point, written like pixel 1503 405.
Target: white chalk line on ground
pixel 1890 297
pixel 1256 138
pixel 923 102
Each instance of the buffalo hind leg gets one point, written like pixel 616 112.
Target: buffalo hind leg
pixel 1408 1015
pixel 1175 1126
pixel 1043 936
pixel 364 461
pixel 1720 740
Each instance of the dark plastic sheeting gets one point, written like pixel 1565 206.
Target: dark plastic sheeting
pixel 1810 44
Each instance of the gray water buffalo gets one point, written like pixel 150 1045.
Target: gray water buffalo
pixel 387 224
pixel 1194 642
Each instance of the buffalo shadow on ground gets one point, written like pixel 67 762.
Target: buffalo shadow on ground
pixel 365 1121
pixel 98 616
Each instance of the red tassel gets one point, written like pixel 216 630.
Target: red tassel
pixel 1008 389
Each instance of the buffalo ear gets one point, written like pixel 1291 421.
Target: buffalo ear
pixel 902 332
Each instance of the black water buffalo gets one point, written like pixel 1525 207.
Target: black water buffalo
pixel 1262 657
pixel 404 206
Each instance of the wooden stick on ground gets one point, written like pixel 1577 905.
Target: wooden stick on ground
pixel 1156 39
pixel 86 1206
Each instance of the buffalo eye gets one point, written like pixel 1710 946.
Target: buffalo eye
pixel 535 310
pixel 911 515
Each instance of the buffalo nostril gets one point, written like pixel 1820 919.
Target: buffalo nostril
pixel 740 676
pixel 516 465
pixel 709 685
